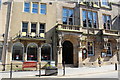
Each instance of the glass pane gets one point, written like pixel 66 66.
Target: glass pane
pixel 27 4
pixel 70 12
pixel 26 10
pixel 84 18
pixel 26 7
pixel 43 6
pixel 89 19
pixel 105 2
pixel 35 8
pixel 64 14
pixel 95 20
pixel 64 20
pixel 24 30
pixel 42 26
pixel 35 5
pixel 41 31
pixel 108 22
pixel 65 10
pixel 90 48
pixel 104 21
pixel 24 27
pixel 33 28
pixel 43 9
pixel 70 21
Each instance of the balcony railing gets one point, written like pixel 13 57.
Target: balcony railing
pixel 64 27
pixel 111 32
pixel 92 31
pixel 31 35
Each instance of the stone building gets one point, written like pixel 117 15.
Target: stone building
pixel 70 32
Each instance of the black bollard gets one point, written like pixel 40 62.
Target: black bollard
pixel 115 66
pixel 11 71
pixel 39 69
pixel 64 68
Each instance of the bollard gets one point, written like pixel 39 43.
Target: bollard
pixel 39 69
pixel 115 66
pixel 64 68
pixel 11 71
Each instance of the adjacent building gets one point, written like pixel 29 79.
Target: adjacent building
pixel 60 31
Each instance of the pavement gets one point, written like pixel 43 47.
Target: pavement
pixel 107 71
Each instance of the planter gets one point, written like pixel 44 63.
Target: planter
pixel 51 71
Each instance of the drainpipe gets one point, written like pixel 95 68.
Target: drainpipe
pixel 8 20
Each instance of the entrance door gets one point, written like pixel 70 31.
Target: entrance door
pixel 67 53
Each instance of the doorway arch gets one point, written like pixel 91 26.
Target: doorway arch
pixel 67 52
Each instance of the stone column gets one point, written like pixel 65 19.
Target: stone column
pixel 118 50
pixel 37 31
pixel 29 28
pixel 79 52
pixel 39 54
pixel 59 55
pixel 25 53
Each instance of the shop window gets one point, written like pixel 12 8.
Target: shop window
pixel 107 22
pixel 68 17
pixel 25 27
pixel 90 19
pixel 32 51
pixel 17 51
pixel 34 7
pixel 109 50
pixel 26 7
pixel 46 52
pixel 33 27
pixel 43 8
pixel 90 49
pixel 1 48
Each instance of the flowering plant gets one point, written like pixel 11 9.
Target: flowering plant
pixel 48 66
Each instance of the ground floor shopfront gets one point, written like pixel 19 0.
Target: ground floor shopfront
pixel 75 49
pixel 81 49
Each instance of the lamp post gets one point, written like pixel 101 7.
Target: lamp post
pixel 9 9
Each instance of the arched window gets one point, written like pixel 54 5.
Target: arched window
pixel 1 48
pixel 32 51
pixel 17 51
pixel 46 53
